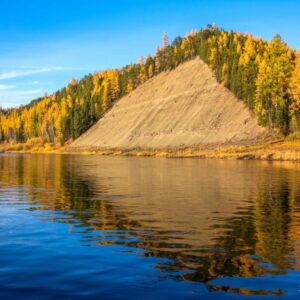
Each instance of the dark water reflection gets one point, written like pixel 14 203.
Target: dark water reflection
pixel 88 227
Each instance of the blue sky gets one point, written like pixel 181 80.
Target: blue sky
pixel 45 43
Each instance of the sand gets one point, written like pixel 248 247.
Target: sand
pixel 182 108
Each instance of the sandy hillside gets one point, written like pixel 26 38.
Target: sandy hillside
pixel 185 107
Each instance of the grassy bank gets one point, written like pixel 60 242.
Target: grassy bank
pixel 34 145
pixel 280 150
pixel 284 151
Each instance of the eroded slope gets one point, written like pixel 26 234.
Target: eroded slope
pixel 185 107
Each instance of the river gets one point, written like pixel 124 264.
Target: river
pixel 101 227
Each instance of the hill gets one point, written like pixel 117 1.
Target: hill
pixel 185 107
pixel 264 75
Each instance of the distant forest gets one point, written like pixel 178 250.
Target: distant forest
pixel 265 75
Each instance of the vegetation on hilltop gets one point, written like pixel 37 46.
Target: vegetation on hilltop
pixel 265 75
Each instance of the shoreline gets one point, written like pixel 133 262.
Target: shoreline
pixel 272 151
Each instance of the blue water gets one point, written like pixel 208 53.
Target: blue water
pixel 92 227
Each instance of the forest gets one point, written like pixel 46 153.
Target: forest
pixel 263 74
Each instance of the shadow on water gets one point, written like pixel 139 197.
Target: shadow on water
pixel 221 223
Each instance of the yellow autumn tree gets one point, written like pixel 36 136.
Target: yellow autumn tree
pixel 114 86
pixel 150 71
pixel 213 58
pixel 157 60
pixel 105 94
pixel 294 90
pixel 142 74
pixel 271 102
pixel 130 87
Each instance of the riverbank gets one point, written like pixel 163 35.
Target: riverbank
pixel 276 150
pixel 282 151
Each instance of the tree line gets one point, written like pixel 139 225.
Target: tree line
pixel 265 75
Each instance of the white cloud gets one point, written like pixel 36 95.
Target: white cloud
pixel 13 98
pixel 27 72
pixel 33 83
pixel 16 92
pixel 4 87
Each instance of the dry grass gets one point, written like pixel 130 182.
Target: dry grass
pixel 34 145
pixel 276 150
pixel 286 150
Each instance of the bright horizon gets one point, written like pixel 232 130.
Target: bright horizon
pixel 43 47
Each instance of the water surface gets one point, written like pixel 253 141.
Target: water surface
pixel 92 227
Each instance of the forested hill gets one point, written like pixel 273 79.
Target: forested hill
pixel 265 75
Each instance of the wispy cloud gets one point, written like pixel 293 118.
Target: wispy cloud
pixel 22 72
pixel 4 87
pixel 21 84
pixel 12 97
pixel 27 72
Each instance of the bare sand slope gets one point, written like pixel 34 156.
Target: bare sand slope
pixel 182 108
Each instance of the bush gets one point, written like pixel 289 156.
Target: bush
pixel 294 136
pixel 48 147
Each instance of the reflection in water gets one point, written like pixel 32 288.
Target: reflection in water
pixel 231 225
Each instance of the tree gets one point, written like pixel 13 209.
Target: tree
pixel 165 41
pixel 105 94
pixel 294 90
pixel 113 77
pixel 177 41
pixel 143 73
pixel 141 61
pixel 73 81
pixel 225 74
pixel 130 87
pixel 213 59
pixel 272 83
pixel 157 60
